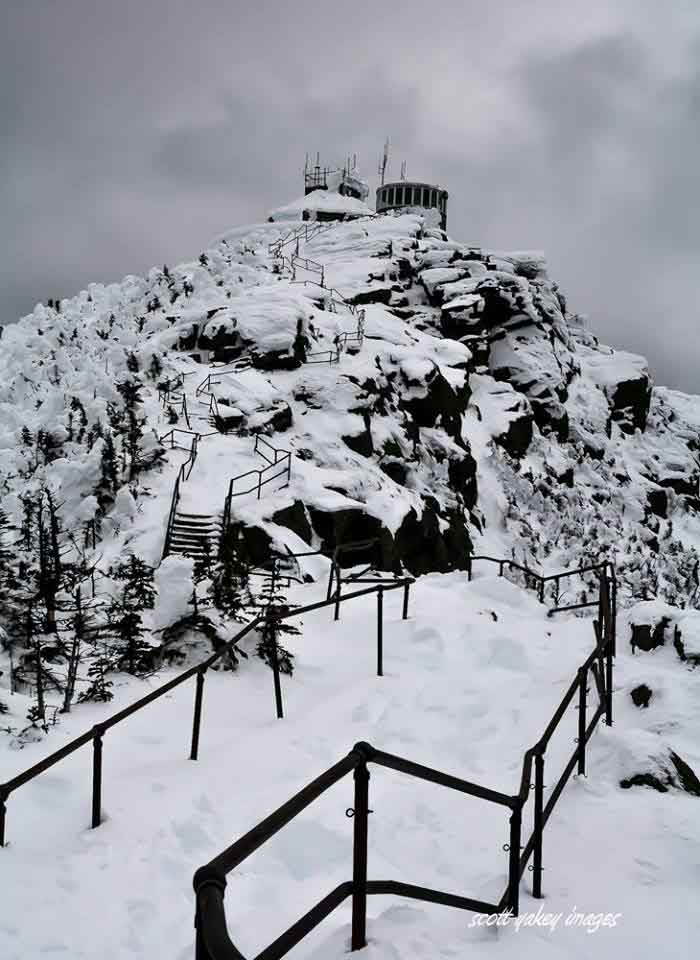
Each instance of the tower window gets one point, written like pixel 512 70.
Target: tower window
pixel 390 192
pixel 426 197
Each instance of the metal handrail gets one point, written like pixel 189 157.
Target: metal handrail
pixel 212 938
pixel 602 568
pixel 96 733
pixel 182 475
pixel 281 457
pixel 245 363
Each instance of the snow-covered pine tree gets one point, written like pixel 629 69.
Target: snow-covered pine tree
pixel 108 484
pixel 272 603
pixel 229 591
pixel 130 391
pixel 80 626
pixel 130 649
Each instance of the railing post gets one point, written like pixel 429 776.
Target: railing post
pixel 359 857
pixel 608 679
pixel 514 859
pixel 336 612
pixel 469 567
pixel 380 632
pixel 196 720
pixel 3 812
pixel 541 589
pixel 271 625
pixel 582 690
pixel 538 827
pixel 613 612
pixel 97 777
pixel 500 568
pixel 406 588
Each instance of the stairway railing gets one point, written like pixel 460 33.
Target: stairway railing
pixel 182 475
pixel 96 734
pixel 305 231
pixel 280 466
pixel 212 938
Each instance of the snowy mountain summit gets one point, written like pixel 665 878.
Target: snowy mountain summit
pixel 312 381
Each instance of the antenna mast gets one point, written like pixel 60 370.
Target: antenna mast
pixel 403 169
pixel 384 161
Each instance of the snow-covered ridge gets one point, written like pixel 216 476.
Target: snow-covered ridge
pixel 477 414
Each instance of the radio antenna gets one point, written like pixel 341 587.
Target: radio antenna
pixel 383 162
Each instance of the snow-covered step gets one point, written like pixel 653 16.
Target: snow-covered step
pixel 193 534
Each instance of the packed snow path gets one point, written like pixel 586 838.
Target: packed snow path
pixel 471 679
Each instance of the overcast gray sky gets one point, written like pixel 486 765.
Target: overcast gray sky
pixel 134 131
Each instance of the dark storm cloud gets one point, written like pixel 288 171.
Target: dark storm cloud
pixel 132 133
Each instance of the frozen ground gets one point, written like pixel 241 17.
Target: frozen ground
pixel 471 680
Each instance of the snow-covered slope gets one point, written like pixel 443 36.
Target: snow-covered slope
pixel 470 681
pixel 467 409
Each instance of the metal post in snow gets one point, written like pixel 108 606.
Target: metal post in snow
pixel 380 632
pixel 514 860
pixel 608 681
pixel 538 827
pixel 359 857
pixel 276 671
pixel 3 812
pixel 406 588
pixel 339 582
pixel 582 687
pixel 97 777
pixel 196 720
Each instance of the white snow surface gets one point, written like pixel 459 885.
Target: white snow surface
pixel 472 678
pixel 324 201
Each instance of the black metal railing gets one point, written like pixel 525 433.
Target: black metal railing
pixel 279 465
pixel 182 475
pixel 539 582
pixel 268 620
pixel 212 938
pixel 304 232
pixel 245 363
pixel 370 571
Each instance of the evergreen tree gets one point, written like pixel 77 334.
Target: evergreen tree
pixel 272 603
pixel 99 686
pixel 108 484
pixel 131 650
pixel 131 395
pixel 78 630
pixel 156 367
pixel 229 591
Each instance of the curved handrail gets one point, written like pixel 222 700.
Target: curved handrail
pixel 213 939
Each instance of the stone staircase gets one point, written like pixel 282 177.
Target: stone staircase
pixel 193 535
